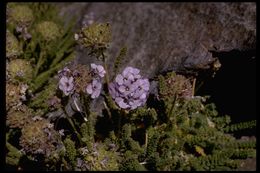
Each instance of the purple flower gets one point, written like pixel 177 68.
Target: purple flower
pixel 141 86
pixel 129 90
pixel 122 103
pixel 131 71
pixel 98 70
pixel 64 72
pixel 94 88
pixel 112 90
pixel 66 85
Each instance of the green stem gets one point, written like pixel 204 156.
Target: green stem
pixel 146 139
pixel 108 111
pixel 65 164
pixel 39 63
pixel 106 69
pixel 75 130
pixel 119 124
pixel 193 87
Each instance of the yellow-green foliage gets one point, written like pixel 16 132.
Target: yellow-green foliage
pixel 95 38
pixel 49 30
pixel 51 43
pixel 13 156
pixel 71 151
pixel 96 35
pixel 13 95
pixel 88 130
pixel 130 163
pixel 13 49
pixel 20 69
pixel 173 85
pixel 20 15
pixel 102 159
pixel 177 131
pixel 146 116
pixel 38 138
pixel 240 126
pixel 119 59
pixel 40 101
pixel 19 118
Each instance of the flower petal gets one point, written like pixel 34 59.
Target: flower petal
pixel 89 89
pixel 93 66
pixel 119 79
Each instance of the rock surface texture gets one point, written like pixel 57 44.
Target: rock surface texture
pixel 170 36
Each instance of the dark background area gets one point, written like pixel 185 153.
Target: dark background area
pixel 233 89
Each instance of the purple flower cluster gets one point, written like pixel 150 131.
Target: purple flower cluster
pixel 66 83
pixel 94 88
pixel 68 78
pixel 98 70
pixel 129 90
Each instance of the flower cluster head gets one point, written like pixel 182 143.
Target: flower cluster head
pixel 17 118
pixel 20 69
pixel 95 36
pixel 94 88
pixel 21 15
pixel 129 90
pixel 97 157
pixel 98 70
pixel 79 78
pixel 174 85
pixel 66 84
pixel 40 137
pixel 49 30
pixel 15 94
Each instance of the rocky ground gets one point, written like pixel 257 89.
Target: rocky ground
pixel 170 36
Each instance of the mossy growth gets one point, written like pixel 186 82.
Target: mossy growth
pixel 18 118
pixel 13 95
pixel 100 158
pixel 95 38
pixel 20 15
pixel 96 35
pixel 39 137
pixel 71 152
pixel 179 131
pixel 13 48
pixel 42 99
pixel 20 69
pixel 49 30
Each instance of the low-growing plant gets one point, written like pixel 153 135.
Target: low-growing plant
pixel 51 121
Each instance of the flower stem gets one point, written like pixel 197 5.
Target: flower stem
pixel 39 63
pixel 106 69
pixel 146 139
pixel 193 87
pixel 74 128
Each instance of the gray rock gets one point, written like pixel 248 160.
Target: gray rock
pixel 171 36
pixel 168 36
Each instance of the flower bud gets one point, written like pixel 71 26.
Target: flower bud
pixel 49 30
pixel 19 118
pixel 20 69
pixel 96 36
pixel 21 15
pixel 38 137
